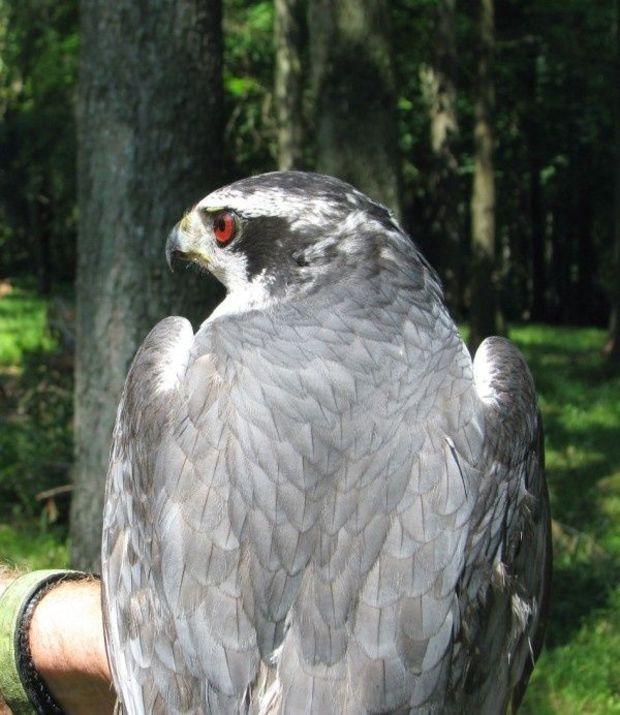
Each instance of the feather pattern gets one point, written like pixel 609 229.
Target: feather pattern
pixel 323 506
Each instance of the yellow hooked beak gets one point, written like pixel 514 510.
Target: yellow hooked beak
pixel 183 244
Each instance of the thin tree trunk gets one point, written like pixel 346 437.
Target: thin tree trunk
pixel 539 283
pixel 150 138
pixel 561 262
pixel 39 229
pixel 537 229
pixel 439 86
pixel 614 332
pixel 289 82
pixel 583 307
pixel 484 316
pixel 353 87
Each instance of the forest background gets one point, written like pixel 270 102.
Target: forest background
pixel 491 127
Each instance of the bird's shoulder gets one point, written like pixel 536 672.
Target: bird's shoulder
pixel 505 584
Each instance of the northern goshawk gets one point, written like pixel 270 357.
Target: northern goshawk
pixel 317 502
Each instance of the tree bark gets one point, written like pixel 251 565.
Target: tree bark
pixel 288 82
pixel 538 310
pixel 439 86
pixel 614 327
pixel 583 239
pixel 150 138
pixel 484 315
pixel 354 96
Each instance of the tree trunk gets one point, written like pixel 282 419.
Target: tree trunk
pixel 485 319
pixel 538 309
pixel 150 142
pixel 353 88
pixel 614 332
pixel 561 262
pixel 537 228
pixel 439 87
pixel 583 308
pixel 39 228
pixel 288 82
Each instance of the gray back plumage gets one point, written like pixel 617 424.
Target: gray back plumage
pixel 314 507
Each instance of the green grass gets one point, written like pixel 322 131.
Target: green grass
pixel 26 545
pixel 23 326
pixel 36 403
pixel 579 671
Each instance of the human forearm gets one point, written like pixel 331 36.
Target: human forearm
pixel 66 642
pixel 67 648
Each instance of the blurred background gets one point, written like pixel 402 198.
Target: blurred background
pixel 490 127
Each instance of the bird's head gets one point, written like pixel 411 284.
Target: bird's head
pixel 280 231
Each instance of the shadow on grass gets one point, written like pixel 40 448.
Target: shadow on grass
pixel 35 433
pixel 580 399
pixel 580 587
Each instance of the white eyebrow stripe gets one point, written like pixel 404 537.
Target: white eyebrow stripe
pixel 270 202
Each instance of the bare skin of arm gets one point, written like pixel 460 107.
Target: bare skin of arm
pixel 66 641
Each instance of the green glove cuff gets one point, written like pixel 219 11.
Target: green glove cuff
pixel 14 602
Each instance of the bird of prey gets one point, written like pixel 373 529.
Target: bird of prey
pixel 317 503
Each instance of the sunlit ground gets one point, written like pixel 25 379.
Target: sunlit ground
pixel 579 671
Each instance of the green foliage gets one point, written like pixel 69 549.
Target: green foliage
pixel 38 59
pixel 554 75
pixel 248 84
pixel 554 78
pixel 23 327
pixel 554 118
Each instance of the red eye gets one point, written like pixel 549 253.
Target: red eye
pixel 224 227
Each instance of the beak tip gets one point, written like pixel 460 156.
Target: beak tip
pixel 172 247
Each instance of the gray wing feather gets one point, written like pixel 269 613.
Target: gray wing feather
pixel 507 578
pixel 306 518
pixel 136 637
